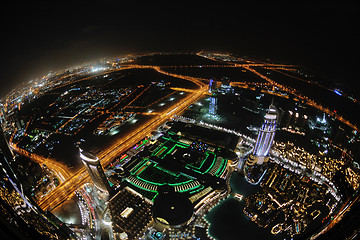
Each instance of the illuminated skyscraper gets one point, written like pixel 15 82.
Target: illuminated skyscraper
pixel 95 171
pixel 265 138
pixel 212 85
pixel 213 105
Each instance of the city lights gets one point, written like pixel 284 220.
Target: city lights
pixel 130 148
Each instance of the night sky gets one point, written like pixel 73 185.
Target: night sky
pixel 39 37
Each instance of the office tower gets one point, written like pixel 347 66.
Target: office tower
pixel 213 105
pixel 265 138
pixel 212 85
pixel 294 121
pixel 95 171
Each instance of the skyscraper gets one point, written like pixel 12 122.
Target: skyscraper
pixel 95 171
pixel 212 86
pixel 213 105
pixel 265 138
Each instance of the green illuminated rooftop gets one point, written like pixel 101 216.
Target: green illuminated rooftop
pixel 178 162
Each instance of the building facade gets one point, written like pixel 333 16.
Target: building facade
pixel 265 138
pixel 95 171
pixel 213 106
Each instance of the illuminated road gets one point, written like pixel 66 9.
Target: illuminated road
pixel 73 181
pixel 67 188
pixel 58 168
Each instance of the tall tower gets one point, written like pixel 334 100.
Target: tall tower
pixel 95 171
pixel 213 105
pixel 265 138
pixel 212 85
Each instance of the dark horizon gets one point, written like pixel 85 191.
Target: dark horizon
pixel 41 37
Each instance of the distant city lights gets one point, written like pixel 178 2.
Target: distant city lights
pixel 98 69
pixel 174 132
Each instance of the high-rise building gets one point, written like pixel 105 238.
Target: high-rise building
pixel 213 105
pixel 293 121
pixel 265 138
pixel 95 171
pixel 212 85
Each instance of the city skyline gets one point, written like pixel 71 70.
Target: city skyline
pixel 164 151
pixel 160 122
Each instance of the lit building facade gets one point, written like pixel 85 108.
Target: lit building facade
pixel 213 106
pixel 265 138
pixel 293 121
pixel 212 85
pixel 95 171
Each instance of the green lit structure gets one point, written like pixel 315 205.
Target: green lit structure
pixel 176 161
pixel 181 172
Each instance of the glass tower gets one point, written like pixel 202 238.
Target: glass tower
pixel 213 105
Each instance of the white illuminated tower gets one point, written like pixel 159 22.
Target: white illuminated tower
pixel 265 138
pixel 95 171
